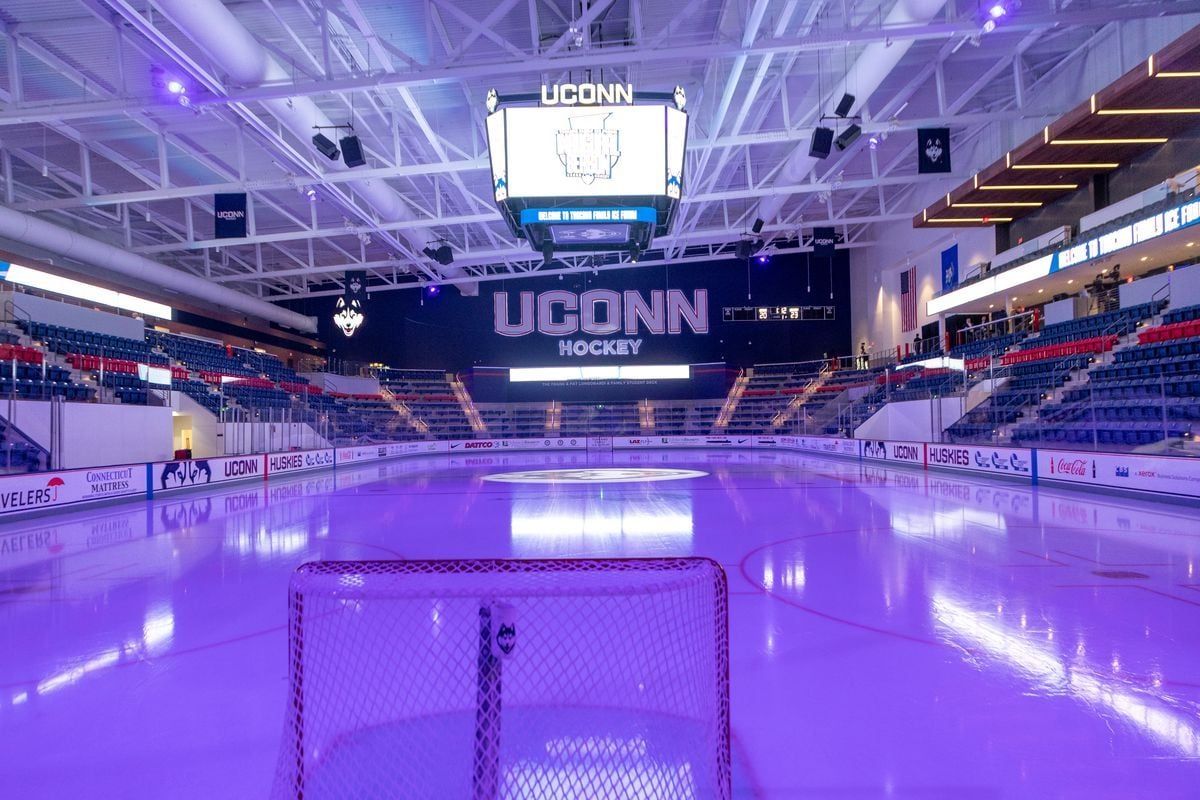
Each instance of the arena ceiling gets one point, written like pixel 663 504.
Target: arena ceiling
pixel 91 140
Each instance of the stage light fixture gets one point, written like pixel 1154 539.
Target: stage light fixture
pixel 848 137
pixel 492 101
pixel 997 11
pixel 325 146
pixel 310 193
pixel 176 87
pixel 433 290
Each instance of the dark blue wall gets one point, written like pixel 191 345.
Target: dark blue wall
pixel 404 329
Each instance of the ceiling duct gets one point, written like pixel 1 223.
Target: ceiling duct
pixel 38 233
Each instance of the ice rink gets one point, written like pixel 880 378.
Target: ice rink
pixel 894 633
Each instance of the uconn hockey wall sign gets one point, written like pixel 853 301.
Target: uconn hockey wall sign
pixel 601 322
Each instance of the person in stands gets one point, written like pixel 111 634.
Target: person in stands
pixel 917 343
pixel 864 361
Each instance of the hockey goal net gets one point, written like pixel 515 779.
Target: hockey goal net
pixel 501 679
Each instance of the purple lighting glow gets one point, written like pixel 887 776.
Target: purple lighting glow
pixel 175 87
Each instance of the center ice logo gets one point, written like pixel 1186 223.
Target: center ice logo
pixel 587 149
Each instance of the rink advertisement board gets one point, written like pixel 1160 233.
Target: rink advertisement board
pixel 513 445
pixel 673 442
pixel 1008 461
pixel 48 490
pixel 1179 477
pixel 299 461
pixel 170 476
pixel 897 452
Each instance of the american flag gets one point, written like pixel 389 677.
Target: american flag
pixel 908 299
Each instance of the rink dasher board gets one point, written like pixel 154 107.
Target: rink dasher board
pixel 1169 478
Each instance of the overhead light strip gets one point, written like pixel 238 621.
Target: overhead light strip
pixel 1097 165
pixel 1182 74
pixel 1148 140
pixel 1116 112
pixel 986 220
pixel 1001 204
pixel 1030 187
pixel 68 287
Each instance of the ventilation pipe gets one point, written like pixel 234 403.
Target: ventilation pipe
pixel 863 78
pixel 213 27
pixel 30 230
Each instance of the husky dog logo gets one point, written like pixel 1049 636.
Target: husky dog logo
pixel 506 638
pixel 348 317
pixel 933 150
pixel 185 473
pixel 355 285
pixel 587 149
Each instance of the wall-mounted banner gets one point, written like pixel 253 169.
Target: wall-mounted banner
pixel 601 313
pixel 824 241
pixel 933 150
pixel 229 216
pixel 1125 471
pixel 950 267
pixel 902 452
pixel 349 311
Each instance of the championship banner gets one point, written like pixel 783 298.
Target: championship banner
pixel 950 268
pixel 348 310
pixel 229 216
pixel 823 241
pixel 933 150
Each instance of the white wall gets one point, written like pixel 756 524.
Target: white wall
pixel 342 383
pixel 912 420
pixel 56 312
pixel 255 437
pixel 875 275
pixel 1184 288
pixel 203 426
pixel 98 434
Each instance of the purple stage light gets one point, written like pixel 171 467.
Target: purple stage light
pixel 433 291
pixel 176 87
pixel 997 11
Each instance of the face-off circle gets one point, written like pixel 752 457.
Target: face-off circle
pixel 596 475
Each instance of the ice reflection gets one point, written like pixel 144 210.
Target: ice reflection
pixel 558 522
pixel 1040 664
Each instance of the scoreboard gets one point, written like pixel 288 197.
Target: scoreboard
pixel 779 314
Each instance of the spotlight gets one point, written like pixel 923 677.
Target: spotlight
pixel 325 146
pixel 989 26
pixel 848 137
pixel 997 11
pixel 764 258
pixel 873 142
pixel 433 290
pixel 176 87
pixel 310 193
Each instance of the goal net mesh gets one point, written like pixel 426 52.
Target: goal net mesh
pixel 489 679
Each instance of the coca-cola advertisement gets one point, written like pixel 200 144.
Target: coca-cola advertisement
pixel 1126 472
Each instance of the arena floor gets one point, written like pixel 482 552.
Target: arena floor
pixel 895 634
